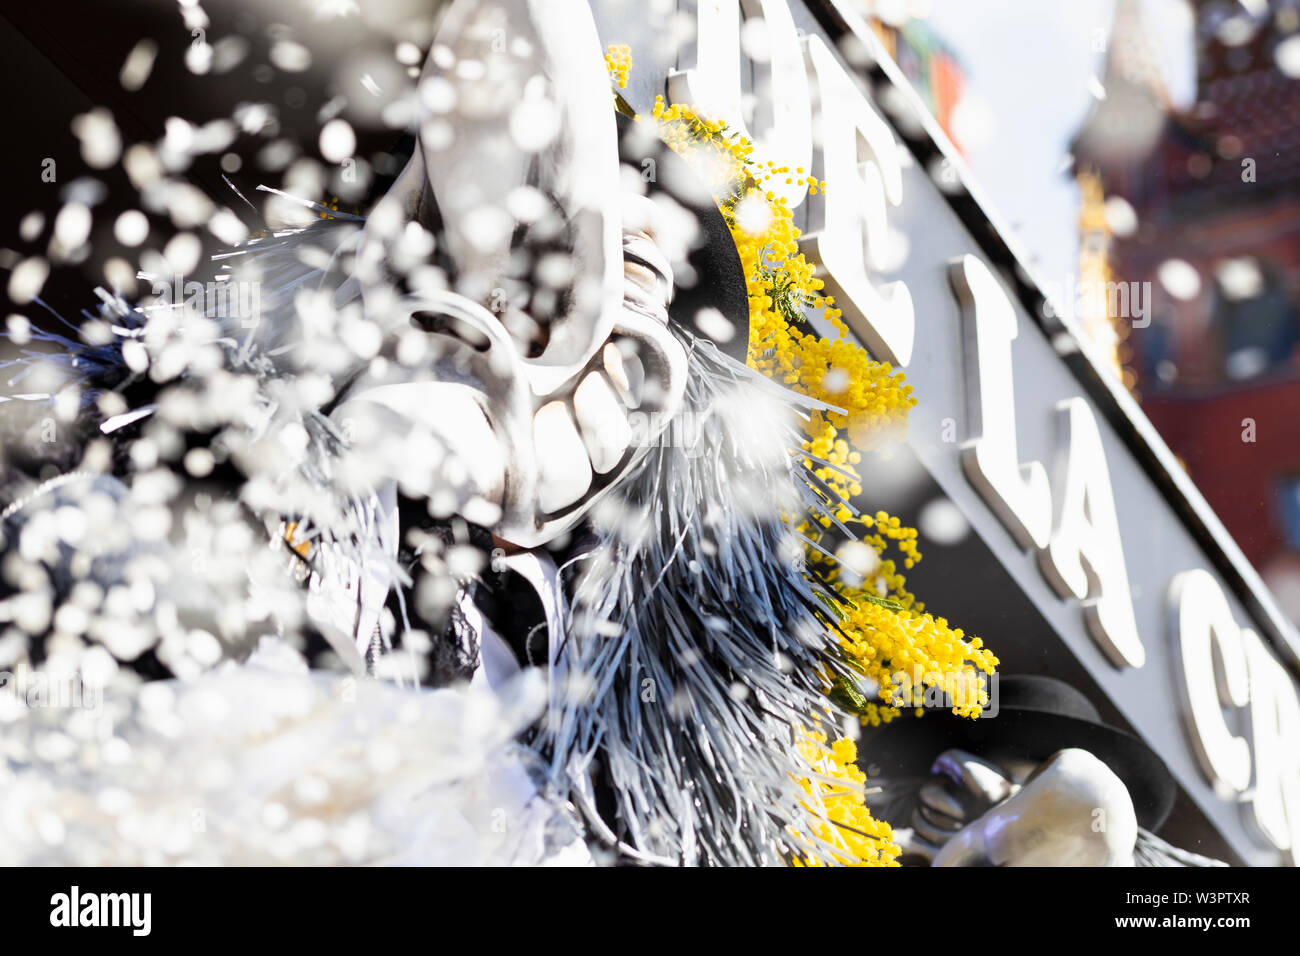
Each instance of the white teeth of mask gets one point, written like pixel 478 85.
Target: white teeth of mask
pixel 626 374
pixel 563 472
pixel 604 425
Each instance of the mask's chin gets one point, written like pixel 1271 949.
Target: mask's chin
pixel 471 464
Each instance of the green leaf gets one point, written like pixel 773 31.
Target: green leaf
pixel 883 602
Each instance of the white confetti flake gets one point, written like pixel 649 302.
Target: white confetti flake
pixel 120 276
pixel 135 356
pixel 30 227
pixel 228 53
pixel 836 381
pixel 253 118
pixel 187 205
pixel 534 124
pixel 214 137
pixel 753 214
pixel 198 58
pixel 275 156
pixel 131 228
pixel 337 141
pixel 19 329
pixel 1287 56
pixel 488 228
pixel 290 56
pixel 101 144
pixel 527 204
pixel 182 252
pixel 27 279
pixel 438 95
pixel 142 166
pixel 139 64
pixel 943 523
pixel 1179 278
pixel 1240 278
pixel 227 227
pixel 1121 217
pixel 199 462
pixel 715 325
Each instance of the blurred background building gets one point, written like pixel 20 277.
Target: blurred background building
pixel 1178 151
pixel 1216 237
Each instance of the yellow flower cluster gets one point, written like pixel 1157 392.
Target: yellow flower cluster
pixel 898 648
pixel 618 60
pixel 905 652
pixel 895 645
pixel 783 290
pixel 332 205
pixel 836 811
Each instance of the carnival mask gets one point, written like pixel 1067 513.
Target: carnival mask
pixel 540 286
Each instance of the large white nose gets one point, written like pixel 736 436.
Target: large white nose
pixel 1073 812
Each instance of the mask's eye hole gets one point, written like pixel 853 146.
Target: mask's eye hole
pixel 530 337
pixel 440 324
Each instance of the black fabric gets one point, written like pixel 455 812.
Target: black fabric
pixel 454 643
pixel 511 606
pixel 719 279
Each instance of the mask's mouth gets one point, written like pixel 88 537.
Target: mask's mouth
pixel 542 456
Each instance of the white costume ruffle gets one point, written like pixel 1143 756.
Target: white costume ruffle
pixel 266 763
